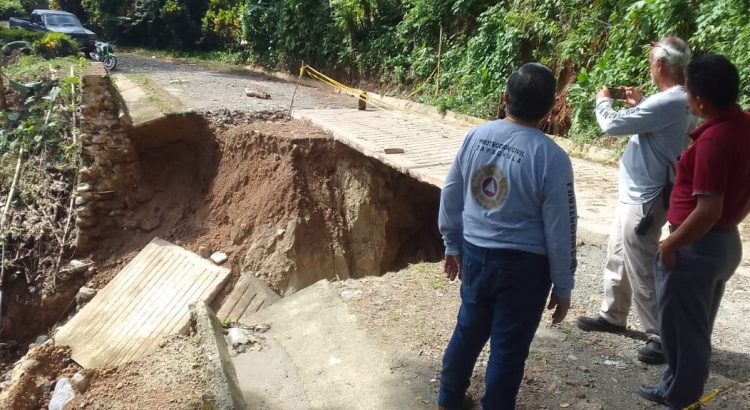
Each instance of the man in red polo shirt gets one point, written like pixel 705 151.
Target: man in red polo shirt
pixel 711 197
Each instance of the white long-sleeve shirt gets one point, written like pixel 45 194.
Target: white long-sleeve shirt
pixel 657 127
pixel 511 187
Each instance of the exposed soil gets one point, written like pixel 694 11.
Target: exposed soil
pixel 35 378
pixel 170 378
pixel 284 201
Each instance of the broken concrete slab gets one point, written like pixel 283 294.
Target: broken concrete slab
pixel 337 364
pixel 249 295
pixel 223 388
pixel 146 301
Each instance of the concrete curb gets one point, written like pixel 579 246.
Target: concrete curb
pixel 223 389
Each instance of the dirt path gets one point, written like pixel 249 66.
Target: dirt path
pixel 414 312
pixel 200 89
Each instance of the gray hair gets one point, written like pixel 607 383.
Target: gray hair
pixel 674 51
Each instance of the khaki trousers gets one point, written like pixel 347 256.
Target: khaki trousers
pixel 629 272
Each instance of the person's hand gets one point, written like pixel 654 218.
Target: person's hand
pixel 633 97
pixel 604 93
pixel 561 306
pixel 667 255
pixel 452 267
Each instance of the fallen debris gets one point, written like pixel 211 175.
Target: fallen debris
pixel 139 319
pixel 204 252
pixel 84 295
pixel 62 395
pixel 80 382
pixel 257 94
pixel 219 257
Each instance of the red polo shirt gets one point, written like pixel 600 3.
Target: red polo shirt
pixel 717 162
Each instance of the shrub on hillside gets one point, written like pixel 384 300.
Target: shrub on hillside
pixel 30 5
pixel 54 45
pixel 8 35
pixel 11 8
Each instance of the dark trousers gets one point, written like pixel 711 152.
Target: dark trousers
pixel 503 294
pixel 688 297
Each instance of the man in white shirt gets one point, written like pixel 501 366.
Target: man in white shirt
pixel 657 127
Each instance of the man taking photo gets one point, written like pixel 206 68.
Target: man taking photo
pixel 657 128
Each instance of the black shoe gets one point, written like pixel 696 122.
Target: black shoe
pixel 598 324
pixel 467 404
pixel 652 353
pixel 651 394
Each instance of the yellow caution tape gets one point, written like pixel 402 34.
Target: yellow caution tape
pixel 357 93
pixel 711 396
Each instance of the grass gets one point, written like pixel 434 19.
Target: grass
pixel 225 61
pixel 32 67
pixel 437 282
pixel 166 102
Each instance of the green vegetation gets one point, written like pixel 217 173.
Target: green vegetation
pixel 8 35
pixel 398 43
pixel 54 45
pixel 39 160
pixel 165 101
pixel 10 8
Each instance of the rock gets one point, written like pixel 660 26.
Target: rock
pixel 62 395
pixel 550 333
pixel 150 223
pixel 84 295
pixel 41 339
pixel 204 252
pixel 83 188
pixel 43 386
pixel 80 382
pixel 238 337
pixel 27 366
pixel 351 294
pixel 219 257
pixel 572 357
pixel 76 266
pixel 618 364
pixel 257 94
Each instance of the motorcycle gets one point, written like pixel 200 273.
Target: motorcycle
pixel 104 53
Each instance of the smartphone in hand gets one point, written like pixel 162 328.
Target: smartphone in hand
pixel 617 93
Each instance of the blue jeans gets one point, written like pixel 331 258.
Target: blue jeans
pixel 689 296
pixel 503 294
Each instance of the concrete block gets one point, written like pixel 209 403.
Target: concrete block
pixel 223 389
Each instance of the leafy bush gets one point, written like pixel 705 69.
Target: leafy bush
pixel 54 45
pixel 30 5
pixel 587 43
pixel 11 8
pixel 8 35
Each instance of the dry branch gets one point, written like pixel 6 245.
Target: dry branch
pixel 16 177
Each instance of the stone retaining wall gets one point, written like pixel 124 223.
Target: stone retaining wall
pixel 109 179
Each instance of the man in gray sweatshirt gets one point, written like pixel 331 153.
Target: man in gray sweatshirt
pixel 657 128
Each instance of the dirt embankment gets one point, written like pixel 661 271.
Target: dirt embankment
pixel 285 201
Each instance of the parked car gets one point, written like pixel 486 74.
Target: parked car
pixel 58 22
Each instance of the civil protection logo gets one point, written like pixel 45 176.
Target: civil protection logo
pixel 489 187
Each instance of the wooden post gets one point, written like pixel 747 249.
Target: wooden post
pixel 3 102
pixel 362 102
pixel 439 56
